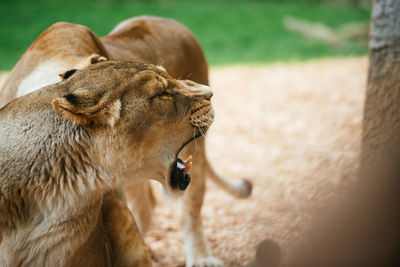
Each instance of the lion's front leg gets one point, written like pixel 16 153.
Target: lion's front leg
pixel 198 253
pixel 141 201
pixel 127 245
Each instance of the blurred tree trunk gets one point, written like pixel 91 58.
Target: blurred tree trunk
pixel 365 229
pixel 381 125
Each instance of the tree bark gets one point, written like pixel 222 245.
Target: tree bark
pixel 381 124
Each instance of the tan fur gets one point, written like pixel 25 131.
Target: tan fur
pixel 149 40
pixel 75 43
pixel 126 241
pixel 58 157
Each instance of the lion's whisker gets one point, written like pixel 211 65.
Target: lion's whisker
pixel 195 141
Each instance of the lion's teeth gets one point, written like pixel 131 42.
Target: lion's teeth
pixel 180 165
pixel 188 164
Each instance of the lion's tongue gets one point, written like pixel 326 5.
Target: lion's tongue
pixel 180 176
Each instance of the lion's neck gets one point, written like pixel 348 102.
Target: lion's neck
pixel 52 173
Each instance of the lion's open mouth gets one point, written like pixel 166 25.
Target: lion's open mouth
pixel 180 176
pixel 201 118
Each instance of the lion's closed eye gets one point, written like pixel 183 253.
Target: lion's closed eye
pixel 165 96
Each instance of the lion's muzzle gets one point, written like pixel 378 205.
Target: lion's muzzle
pixel 195 90
pixel 202 115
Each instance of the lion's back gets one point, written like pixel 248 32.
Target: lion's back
pixel 158 41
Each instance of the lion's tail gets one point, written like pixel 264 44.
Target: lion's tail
pixel 240 188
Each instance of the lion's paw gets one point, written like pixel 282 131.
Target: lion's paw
pixel 205 262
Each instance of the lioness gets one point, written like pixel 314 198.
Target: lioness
pixel 63 146
pixel 66 46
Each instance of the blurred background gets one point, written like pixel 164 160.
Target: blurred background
pixel 231 31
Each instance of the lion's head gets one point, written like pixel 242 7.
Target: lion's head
pixel 139 118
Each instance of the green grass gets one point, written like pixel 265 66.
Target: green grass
pixel 230 31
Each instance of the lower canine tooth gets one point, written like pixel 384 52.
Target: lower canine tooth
pixel 188 164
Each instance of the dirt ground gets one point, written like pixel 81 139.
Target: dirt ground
pixel 294 131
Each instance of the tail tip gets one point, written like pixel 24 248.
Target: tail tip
pixel 246 188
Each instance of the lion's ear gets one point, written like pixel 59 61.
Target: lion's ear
pixel 84 108
pixel 92 59
pixel 67 74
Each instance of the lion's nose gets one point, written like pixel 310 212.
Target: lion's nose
pixel 198 90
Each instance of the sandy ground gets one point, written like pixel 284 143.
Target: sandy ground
pixel 294 131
